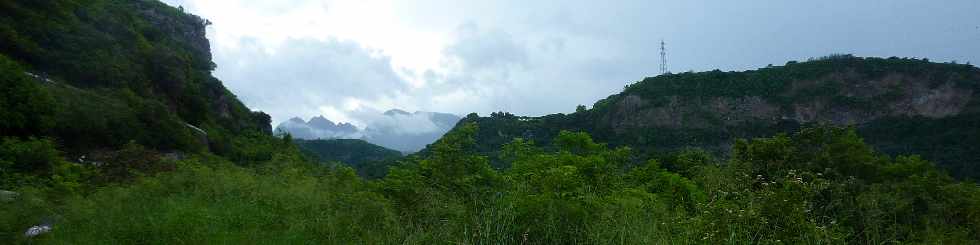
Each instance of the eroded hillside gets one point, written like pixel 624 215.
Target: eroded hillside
pixel 899 105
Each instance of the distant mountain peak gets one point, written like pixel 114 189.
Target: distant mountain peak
pixel 396 129
pixel 319 127
pixel 321 117
pixel 321 123
pixel 393 112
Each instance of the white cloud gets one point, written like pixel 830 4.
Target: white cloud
pixel 307 77
pixel 310 57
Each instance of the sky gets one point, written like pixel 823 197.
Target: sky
pixel 350 60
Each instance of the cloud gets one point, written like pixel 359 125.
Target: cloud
pixel 318 130
pixel 490 69
pixel 344 59
pixel 408 132
pixel 302 76
pixel 394 129
pixel 396 123
pixel 479 50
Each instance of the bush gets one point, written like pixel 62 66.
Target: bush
pixel 25 108
pixel 222 203
pixel 820 185
pixel 24 162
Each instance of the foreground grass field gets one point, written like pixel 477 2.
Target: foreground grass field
pixel 820 186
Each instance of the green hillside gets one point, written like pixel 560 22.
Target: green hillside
pixel 110 72
pixel 901 106
pixel 369 160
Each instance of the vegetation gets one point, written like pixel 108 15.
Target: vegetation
pixel 821 185
pixel 113 71
pixel 828 80
pixel 771 82
pixel 114 132
pixel 954 141
pixel 369 160
pixel 24 106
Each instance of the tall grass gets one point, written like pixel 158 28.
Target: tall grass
pixel 545 198
pixel 225 204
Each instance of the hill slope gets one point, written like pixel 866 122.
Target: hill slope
pixel 120 71
pixel 899 105
pixel 369 160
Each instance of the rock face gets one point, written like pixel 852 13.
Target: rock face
pixel 856 102
pixel 900 106
pixel 190 30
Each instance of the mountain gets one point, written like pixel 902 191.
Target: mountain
pixel 369 160
pixel 898 105
pixel 318 128
pixel 322 122
pixel 394 129
pixel 409 132
pixel 396 112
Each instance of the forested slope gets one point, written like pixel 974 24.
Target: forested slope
pixel 109 72
pixel 901 106
pixel 369 160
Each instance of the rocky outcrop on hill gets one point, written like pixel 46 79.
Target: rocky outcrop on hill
pixel 852 101
pixel 901 106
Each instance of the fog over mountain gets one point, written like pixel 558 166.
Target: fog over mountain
pixel 394 129
pixel 318 127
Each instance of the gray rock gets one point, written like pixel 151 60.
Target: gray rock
pixel 37 230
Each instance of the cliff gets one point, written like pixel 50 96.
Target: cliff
pixel 899 105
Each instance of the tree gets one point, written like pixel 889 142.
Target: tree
pixel 25 108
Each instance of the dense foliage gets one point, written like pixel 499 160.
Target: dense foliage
pixel 369 160
pixel 113 71
pixel 771 82
pixel 952 141
pixel 821 185
pixel 24 106
pixel 114 132
pixel 825 81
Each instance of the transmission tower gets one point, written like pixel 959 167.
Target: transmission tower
pixel 663 57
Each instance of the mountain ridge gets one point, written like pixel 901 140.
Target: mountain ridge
pixel 368 160
pixel 710 109
pixel 393 129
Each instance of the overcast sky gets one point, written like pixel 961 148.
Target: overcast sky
pixel 349 59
